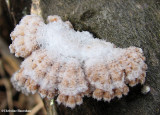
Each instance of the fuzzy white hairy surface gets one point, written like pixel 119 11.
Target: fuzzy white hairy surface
pixel 62 41
pixel 62 61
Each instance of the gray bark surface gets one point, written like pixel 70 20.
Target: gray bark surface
pixel 124 23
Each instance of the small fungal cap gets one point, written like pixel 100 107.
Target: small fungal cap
pixel 145 89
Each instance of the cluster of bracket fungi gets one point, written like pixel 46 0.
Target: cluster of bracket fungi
pixel 69 64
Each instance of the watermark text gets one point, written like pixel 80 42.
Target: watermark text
pixel 17 110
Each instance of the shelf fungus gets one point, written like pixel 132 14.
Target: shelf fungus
pixel 69 64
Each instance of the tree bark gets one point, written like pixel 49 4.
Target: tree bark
pixel 124 23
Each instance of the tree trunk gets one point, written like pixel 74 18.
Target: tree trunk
pixel 124 23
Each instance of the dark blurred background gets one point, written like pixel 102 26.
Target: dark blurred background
pixel 11 11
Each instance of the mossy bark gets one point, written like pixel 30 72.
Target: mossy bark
pixel 124 23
